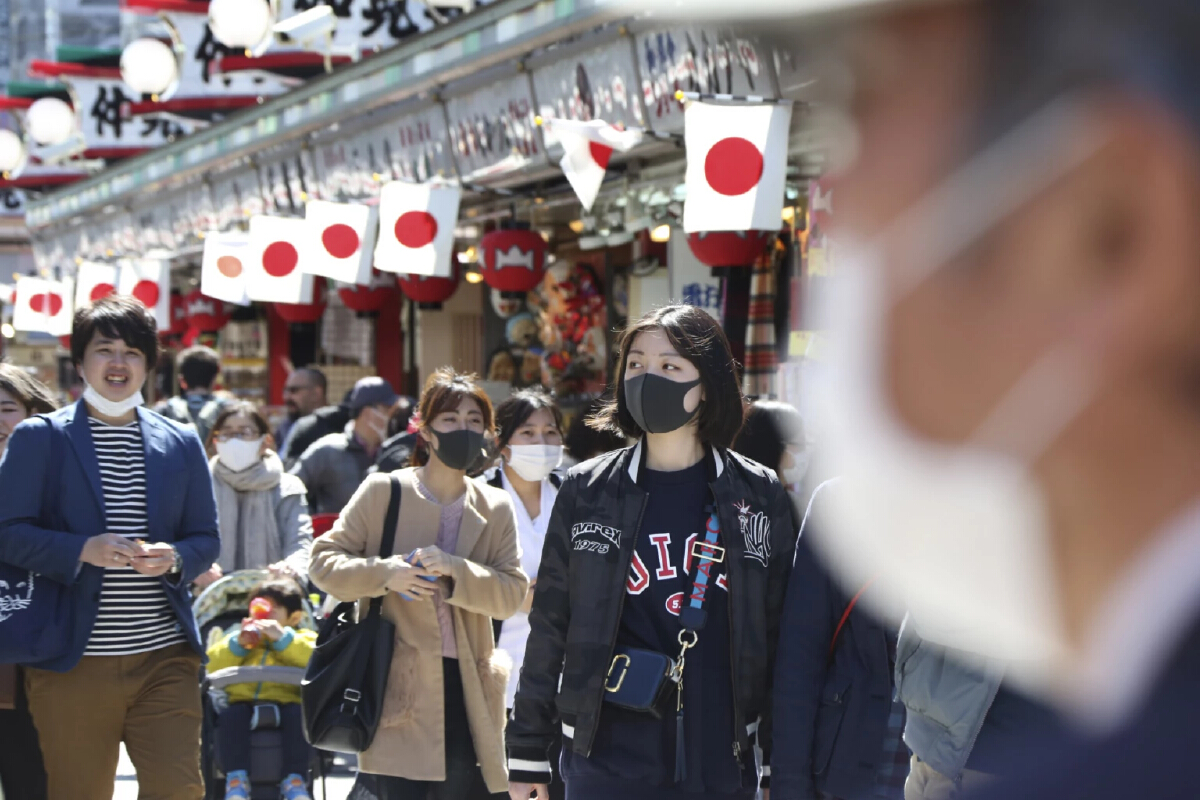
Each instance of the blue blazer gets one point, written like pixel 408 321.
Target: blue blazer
pixel 54 453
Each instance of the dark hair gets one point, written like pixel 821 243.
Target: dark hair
pixel 318 378
pixel 199 366
pixel 283 592
pixel 584 442
pixel 518 408
pixel 116 317
pixel 232 409
pixel 401 413
pixel 26 390
pixel 770 427
pixel 697 337
pixel 445 390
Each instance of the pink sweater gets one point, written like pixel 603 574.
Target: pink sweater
pixel 447 540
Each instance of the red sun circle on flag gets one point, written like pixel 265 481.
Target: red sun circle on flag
pixel 229 266
pixel 600 154
pixel 46 304
pixel 279 259
pixel 341 241
pixel 733 166
pixel 101 291
pixel 147 293
pixel 416 229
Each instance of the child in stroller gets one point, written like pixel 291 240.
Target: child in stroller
pixel 270 637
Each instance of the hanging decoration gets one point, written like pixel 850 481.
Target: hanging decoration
pixel 148 280
pixel 369 299
pixel 514 259
pixel 276 270
pixel 300 313
pixel 204 314
pixel 729 248
pixel 587 149
pixel 416 228
pixel 94 281
pixel 43 306
pixel 223 266
pixel 340 240
pixel 429 292
pixel 179 323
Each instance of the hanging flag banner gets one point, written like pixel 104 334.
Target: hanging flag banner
pixel 148 280
pixel 274 273
pixel 587 148
pixel 736 166
pixel 223 268
pixel 43 306
pixel 416 228
pixel 339 240
pixel 94 281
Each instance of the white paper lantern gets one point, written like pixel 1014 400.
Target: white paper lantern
pixel 12 152
pixel 241 24
pixel 50 121
pixel 148 66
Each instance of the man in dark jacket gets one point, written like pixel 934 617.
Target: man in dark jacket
pixel 307 430
pixel 303 394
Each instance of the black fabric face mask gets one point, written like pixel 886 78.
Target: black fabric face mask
pixel 656 403
pixel 458 449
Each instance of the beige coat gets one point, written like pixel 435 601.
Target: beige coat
pixel 487 582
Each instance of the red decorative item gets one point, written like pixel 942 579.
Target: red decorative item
pixel 514 259
pixel 65 341
pixel 297 313
pixel 729 248
pixel 369 299
pixel 429 292
pixel 204 314
pixel 260 608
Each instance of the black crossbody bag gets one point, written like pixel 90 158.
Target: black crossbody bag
pixel 341 698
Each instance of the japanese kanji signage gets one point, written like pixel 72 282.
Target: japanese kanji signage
pixel 492 129
pixel 600 84
pixel 691 281
pixel 420 150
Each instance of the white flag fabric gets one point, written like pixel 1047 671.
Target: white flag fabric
pixel 43 306
pixel 274 272
pixel 736 166
pixel 148 280
pixel 587 148
pixel 7 292
pixel 340 240
pixel 223 268
pixel 416 228
pixel 94 281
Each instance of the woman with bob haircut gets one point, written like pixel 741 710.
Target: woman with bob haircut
pixel 661 584
pixel 455 565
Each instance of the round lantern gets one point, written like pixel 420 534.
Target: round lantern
pixel 13 155
pixel 429 292
pixel 49 121
pixel 150 66
pixel 369 299
pixel 204 314
pixel 241 24
pixel 514 259
pixel 298 313
pixel 729 248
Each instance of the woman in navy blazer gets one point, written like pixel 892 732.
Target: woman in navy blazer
pixel 115 502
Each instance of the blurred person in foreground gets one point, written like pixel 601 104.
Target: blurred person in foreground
pixel 773 435
pixel 1014 352
pixel 303 393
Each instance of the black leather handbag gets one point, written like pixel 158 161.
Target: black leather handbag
pixel 341 697
pixel 640 680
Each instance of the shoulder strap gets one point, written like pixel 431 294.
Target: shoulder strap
pixel 846 615
pixel 556 480
pixel 388 540
pixel 705 552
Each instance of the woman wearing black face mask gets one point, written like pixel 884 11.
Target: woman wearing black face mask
pixel 455 566
pixel 660 589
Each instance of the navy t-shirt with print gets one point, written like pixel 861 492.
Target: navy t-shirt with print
pixel 632 752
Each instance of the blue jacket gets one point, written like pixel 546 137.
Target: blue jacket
pixel 179 505
pixel 830 718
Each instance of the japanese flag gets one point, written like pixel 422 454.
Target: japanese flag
pixel 7 293
pixel 43 306
pixel 587 147
pixel 148 280
pixel 94 281
pixel 274 273
pixel 736 166
pixel 223 268
pixel 340 240
pixel 416 228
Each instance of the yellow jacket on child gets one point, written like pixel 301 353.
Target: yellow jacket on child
pixel 293 649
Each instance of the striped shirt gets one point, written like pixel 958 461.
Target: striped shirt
pixel 135 615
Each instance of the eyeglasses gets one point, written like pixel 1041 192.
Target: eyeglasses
pixel 296 389
pixel 245 434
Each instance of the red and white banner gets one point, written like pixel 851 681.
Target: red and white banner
pixel 587 148
pixel 148 280
pixel 223 268
pixel 736 166
pixel 274 272
pixel 94 281
pixel 43 306
pixel 340 240
pixel 416 228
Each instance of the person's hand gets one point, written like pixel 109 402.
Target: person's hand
pixel 523 791
pixel 412 583
pixel 110 550
pixel 282 569
pixel 766 794
pixel 249 638
pixel 433 560
pixel 269 628
pixel 210 577
pixel 527 606
pixel 156 559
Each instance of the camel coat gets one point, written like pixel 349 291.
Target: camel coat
pixel 487 583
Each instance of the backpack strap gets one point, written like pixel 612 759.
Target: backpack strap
pixel 846 615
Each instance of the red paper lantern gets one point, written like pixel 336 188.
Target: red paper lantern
pixel 297 313
pixel 514 259
pixel 204 314
pixel 429 292
pixel 369 299
pixel 729 248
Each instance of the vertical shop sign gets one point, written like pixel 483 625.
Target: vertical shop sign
pixel 492 129
pixel 691 281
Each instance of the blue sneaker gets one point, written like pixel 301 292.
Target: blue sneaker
pixel 293 788
pixel 237 785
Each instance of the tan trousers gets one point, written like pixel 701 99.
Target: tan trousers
pixel 926 783
pixel 149 701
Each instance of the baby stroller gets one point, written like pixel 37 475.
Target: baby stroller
pixel 219 610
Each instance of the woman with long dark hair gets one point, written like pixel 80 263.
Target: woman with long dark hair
pixel 653 627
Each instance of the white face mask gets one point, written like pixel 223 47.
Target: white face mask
pixel 799 468
pixel 111 408
pixel 238 454
pixel 534 462
pixel 956 534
